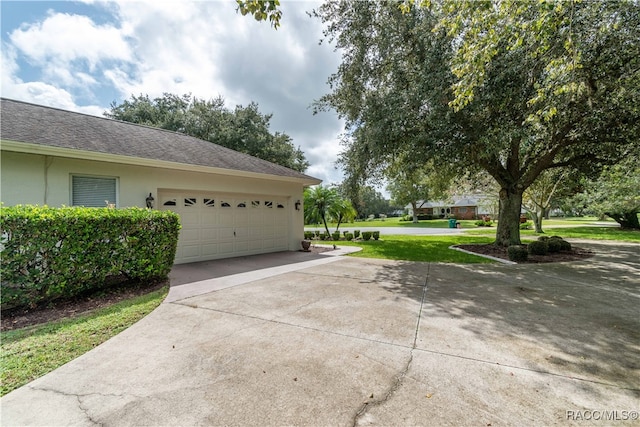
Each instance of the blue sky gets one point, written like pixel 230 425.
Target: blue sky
pixel 82 56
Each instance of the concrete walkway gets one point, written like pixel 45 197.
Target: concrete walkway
pixel 347 341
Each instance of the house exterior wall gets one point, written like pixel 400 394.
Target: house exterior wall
pixel 39 179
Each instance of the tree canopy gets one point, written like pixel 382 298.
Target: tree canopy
pixel 512 88
pixel 244 129
pixel 262 10
pixel 616 193
pixel 408 186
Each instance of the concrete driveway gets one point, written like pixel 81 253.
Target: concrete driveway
pixel 347 341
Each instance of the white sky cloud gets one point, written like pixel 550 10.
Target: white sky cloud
pixel 83 61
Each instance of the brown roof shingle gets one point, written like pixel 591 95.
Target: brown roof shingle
pixel 36 124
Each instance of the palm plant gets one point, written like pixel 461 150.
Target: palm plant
pixel 342 210
pixel 317 203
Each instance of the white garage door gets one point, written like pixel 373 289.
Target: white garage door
pixel 227 225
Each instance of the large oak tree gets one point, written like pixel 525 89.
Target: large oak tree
pixel 511 88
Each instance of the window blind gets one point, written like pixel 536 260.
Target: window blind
pixel 92 191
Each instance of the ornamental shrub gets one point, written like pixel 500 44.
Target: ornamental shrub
pixel 348 236
pixel 538 247
pixel 376 235
pixel 52 253
pixel 564 245
pixel 356 233
pixel 517 253
pixel 554 245
pixel 308 235
pixel 335 235
pixel 366 235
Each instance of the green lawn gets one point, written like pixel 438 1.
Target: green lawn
pixel 31 352
pixel 580 232
pixel 418 248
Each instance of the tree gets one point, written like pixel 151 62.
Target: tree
pixel 244 129
pixel 511 88
pixel 538 197
pixel 616 193
pixel 408 186
pixel 319 201
pixel 262 10
pixel 342 210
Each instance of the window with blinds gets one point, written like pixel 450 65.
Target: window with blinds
pixel 93 191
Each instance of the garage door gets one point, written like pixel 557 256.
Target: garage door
pixel 227 225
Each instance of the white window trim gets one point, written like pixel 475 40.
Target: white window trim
pixel 117 180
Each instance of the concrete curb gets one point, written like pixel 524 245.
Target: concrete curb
pixel 339 251
pixel 504 261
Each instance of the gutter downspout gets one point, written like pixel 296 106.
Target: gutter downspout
pixel 48 160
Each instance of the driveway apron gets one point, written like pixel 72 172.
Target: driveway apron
pixel 350 341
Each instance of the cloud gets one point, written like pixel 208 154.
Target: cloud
pixel 203 48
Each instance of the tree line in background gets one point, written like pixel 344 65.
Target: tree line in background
pixel 244 129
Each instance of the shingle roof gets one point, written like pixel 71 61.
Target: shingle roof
pixel 36 124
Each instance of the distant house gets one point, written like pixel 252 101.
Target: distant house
pixel 230 204
pixel 462 207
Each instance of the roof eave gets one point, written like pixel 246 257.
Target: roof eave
pixel 46 150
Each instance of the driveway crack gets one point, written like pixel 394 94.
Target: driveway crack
pixel 399 379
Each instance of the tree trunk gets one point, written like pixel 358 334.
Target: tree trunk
pixel 415 214
pixel 508 231
pixel 326 227
pixel 537 219
pixel 627 220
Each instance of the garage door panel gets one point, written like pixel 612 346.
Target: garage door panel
pixel 209 218
pixel 210 249
pixel 191 251
pixel 255 245
pixel 225 217
pixel 189 218
pixel 209 234
pixel 225 233
pixel 255 233
pixel 268 232
pixel 190 235
pixel 225 248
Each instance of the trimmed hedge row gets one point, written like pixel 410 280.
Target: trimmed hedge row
pixel 51 253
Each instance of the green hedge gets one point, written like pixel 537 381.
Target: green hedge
pixel 51 253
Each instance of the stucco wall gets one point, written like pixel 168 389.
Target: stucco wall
pixel 24 177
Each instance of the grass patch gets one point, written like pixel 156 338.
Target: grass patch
pixel 579 232
pixel 31 352
pixel 419 248
pixel 591 233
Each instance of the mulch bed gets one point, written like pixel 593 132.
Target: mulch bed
pixel 318 249
pixel 23 317
pixel 575 254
